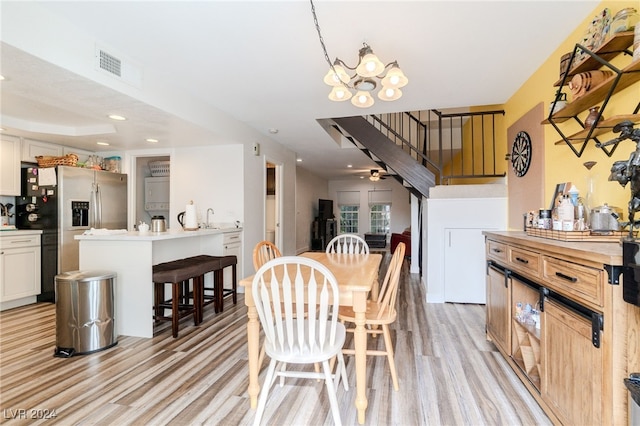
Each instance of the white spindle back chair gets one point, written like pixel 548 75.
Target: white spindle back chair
pixel 284 290
pixel 348 243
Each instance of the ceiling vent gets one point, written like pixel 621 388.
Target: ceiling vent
pixel 110 63
pixel 117 67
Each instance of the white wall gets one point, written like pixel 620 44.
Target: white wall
pixel 400 204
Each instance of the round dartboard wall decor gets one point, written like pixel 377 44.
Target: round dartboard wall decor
pixel 521 154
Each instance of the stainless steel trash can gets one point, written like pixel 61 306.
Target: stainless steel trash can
pixel 85 320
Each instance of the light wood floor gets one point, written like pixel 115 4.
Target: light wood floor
pixel 449 374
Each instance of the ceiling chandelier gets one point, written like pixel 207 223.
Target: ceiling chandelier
pixel 369 74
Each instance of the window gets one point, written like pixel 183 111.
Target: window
pixel 349 205
pixel 380 218
pixel 349 216
pixel 380 211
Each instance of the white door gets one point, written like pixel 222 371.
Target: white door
pixel 464 265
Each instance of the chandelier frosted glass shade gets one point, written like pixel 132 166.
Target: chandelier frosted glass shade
pixel 362 99
pixel 389 94
pixel 340 93
pixel 369 76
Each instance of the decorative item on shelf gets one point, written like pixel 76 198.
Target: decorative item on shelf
pixel 564 63
pixel 583 82
pixel 596 33
pixel 636 43
pixel 625 20
pixel 592 117
pixel 369 73
pixel 625 171
pixel 45 161
pixel 558 103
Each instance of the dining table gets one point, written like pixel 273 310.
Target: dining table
pixel 357 277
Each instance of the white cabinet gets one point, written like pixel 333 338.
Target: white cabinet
pixel 455 246
pixel 9 165
pixel 463 263
pixel 232 246
pixel 31 149
pixel 19 268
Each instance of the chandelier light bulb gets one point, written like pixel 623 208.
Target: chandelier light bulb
pixel 338 77
pixel 340 93
pixel 369 64
pixel 395 77
pixel 389 94
pixel 362 99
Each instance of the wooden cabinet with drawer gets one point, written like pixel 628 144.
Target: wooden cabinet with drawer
pixel 581 283
pixel 525 261
pixel 575 363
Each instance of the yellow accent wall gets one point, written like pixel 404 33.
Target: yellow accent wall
pixel 561 164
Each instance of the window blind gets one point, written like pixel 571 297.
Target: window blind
pixel 348 198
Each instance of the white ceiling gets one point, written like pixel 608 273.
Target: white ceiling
pixel 204 66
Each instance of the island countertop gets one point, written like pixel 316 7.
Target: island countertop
pixel 131 256
pixel 170 234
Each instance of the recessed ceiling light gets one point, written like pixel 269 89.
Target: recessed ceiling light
pixel 273 130
pixel 1 129
pixel 117 117
pixel 1 77
pixel 299 160
pixel 102 143
pixel 151 140
pixel 361 177
pixel 349 166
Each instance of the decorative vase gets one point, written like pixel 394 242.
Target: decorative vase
pixel 592 117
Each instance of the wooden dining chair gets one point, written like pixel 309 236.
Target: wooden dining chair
pixel 263 252
pixel 282 289
pixel 348 243
pixel 381 313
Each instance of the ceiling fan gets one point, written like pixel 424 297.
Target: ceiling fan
pixel 376 175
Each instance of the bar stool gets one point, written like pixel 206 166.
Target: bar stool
pixel 221 291
pixel 178 273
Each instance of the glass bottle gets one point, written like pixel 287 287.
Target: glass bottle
pixel 625 20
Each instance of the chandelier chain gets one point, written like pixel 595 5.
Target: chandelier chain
pixel 324 47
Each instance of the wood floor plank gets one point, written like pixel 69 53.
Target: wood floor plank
pixel 449 374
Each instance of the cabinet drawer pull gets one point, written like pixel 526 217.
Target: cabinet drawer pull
pixel 496 250
pixel 21 241
pixel 519 259
pixel 566 277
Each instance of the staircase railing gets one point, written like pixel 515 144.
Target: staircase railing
pixel 453 146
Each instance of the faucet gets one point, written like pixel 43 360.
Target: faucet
pixel 209 210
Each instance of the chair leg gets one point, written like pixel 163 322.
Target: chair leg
pixel 262 399
pixel 389 348
pixel 235 285
pixel 331 391
pixel 175 310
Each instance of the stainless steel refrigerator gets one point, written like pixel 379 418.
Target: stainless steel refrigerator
pixel 87 199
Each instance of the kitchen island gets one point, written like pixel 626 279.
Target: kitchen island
pixel 131 256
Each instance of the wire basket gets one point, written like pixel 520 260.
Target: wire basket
pixel 45 161
pixel 159 168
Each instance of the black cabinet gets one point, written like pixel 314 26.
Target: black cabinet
pixel 322 231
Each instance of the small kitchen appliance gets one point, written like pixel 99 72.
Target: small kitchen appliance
pixel 158 224
pixel 605 218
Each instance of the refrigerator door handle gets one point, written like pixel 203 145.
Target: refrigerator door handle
pixel 93 216
pixel 98 206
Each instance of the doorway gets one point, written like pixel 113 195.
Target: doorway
pixel 141 172
pixel 272 220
